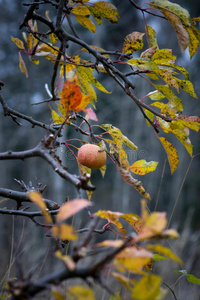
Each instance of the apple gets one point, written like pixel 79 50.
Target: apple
pixel 89 155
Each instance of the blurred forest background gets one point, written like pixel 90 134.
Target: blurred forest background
pixel 20 239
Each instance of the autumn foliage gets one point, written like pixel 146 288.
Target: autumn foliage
pixel 72 97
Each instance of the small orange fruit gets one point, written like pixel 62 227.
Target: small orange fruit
pixel 90 156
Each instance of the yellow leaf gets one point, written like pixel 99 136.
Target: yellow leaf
pixel 110 243
pixel 53 38
pixel 151 37
pixel 117 136
pixel 133 259
pixel 143 64
pixel 194 37
pixel 22 66
pixel 129 143
pixel 182 136
pixel 172 154
pixel 125 174
pixel 70 208
pixel 163 56
pixel 66 259
pixel 86 86
pixel 170 233
pixel 56 118
pixel 81 10
pixel 122 279
pixel 179 68
pixel 192 122
pixel 80 293
pixel 96 14
pixel 133 42
pixel 135 221
pixel 31 42
pixel 148 53
pixel 177 16
pixel 57 295
pixel 107 10
pixel 112 217
pixel 142 167
pixel 174 101
pixel 35 61
pixel 166 76
pixel 156 95
pixel 87 76
pixel 156 222
pixel 187 86
pixel 98 49
pixel 18 42
pixel 148 288
pixel 164 251
pixel 36 198
pixel 64 232
pixel 150 115
pixel 86 22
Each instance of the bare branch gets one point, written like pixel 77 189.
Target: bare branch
pixel 21 197
pixel 14 113
pixel 41 151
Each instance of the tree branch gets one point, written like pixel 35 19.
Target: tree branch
pixel 13 114
pixel 79 181
pixel 22 197
pixel 28 214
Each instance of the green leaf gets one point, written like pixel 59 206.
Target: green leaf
pixel 172 154
pixel 193 279
pixel 133 42
pixel 142 167
pixel 181 271
pixel 158 257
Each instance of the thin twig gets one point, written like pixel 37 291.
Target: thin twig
pixel 14 113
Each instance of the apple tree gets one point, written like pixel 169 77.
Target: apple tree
pixel 50 30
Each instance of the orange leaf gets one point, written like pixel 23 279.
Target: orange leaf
pixel 36 198
pixel 71 96
pixel 64 232
pixel 70 208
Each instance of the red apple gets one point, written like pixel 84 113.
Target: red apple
pixel 90 156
